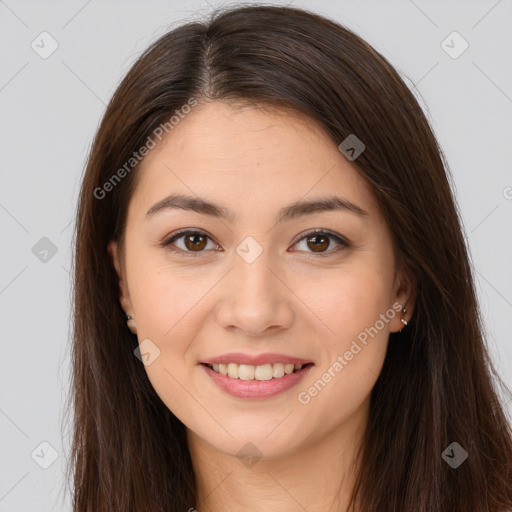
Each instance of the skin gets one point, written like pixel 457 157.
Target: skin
pixel 290 300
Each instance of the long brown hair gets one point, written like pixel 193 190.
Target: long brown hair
pixel 438 384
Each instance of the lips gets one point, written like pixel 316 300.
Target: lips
pixel 256 389
pixel 255 360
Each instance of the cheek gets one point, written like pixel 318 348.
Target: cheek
pixel 357 311
pixel 350 301
pixel 355 307
pixel 166 309
pixel 165 298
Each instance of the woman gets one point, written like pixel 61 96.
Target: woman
pixel 274 305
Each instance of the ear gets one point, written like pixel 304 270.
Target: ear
pixel 124 294
pixel 404 298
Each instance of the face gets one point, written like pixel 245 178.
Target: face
pixel 256 281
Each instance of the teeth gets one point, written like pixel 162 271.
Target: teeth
pixel 233 370
pixel 277 370
pixel 245 371
pixel 263 372
pixel 250 372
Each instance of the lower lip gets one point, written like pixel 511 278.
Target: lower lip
pixel 257 388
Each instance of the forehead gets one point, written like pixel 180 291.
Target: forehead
pixel 249 157
pixel 232 134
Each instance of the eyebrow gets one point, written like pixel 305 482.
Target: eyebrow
pixel 292 211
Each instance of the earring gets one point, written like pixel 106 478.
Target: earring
pixel 403 320
pixel 130 322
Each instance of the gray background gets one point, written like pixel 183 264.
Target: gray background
pixel 50 109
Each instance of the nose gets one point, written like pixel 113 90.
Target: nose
pixel 254 299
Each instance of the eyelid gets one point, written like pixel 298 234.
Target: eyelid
pixel 321 231
pixel 180 233
pixel 343 242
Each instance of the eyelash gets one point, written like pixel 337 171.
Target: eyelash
pixel 344 244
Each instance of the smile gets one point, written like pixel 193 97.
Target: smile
pixel 251 372
pixel 256 381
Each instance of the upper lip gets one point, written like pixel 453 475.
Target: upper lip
pixel 256 360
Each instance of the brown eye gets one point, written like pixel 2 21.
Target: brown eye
pixel 195 242
pixel 318 241
pixel 190 242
